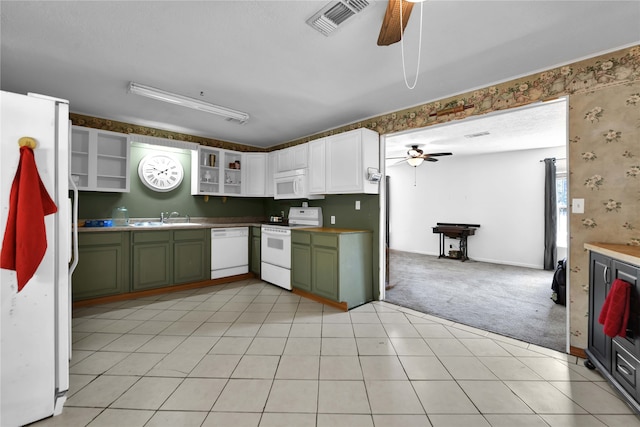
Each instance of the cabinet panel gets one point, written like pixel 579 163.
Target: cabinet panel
pixel 301 266
pixel 625 370
pixel 629 273
pixel 349 155
pixel 189 262
pixel 151 265
pixel 325 272
pixel 317 167
pixel 103 266
pixel 254 169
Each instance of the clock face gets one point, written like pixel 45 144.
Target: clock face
pixel 160 172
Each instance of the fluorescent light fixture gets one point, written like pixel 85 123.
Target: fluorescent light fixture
pixel 415 161
pixel 185 101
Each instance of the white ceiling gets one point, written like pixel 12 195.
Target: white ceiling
pixel 535 126
pixel 261 57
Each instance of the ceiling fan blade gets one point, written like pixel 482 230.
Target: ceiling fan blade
pixel 393 158
pixel 390 31
pixel 430 159
pixel 438 154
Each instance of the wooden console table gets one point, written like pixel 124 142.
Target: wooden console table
pixel 455 231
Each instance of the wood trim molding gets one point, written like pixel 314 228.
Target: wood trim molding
pixel 578 352
pixel 308 295
pixel 159 291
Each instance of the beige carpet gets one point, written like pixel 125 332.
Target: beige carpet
pixel 511 301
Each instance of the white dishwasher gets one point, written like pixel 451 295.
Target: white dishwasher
pixel 229 251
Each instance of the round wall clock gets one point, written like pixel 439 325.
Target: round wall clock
pixel 160 172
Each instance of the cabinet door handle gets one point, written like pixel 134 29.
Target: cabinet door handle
pixel 604 274
pixel 624 370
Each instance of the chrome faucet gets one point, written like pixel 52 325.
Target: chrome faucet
pixel 174 214
pixel 187 217
pixel 163 216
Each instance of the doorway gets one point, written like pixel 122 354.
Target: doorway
pixel 493 178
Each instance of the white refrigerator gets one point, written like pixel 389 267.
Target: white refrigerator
pixel 36 322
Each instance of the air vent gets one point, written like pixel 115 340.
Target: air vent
pixel 334 14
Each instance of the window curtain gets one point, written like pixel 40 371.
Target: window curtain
pixel 550 214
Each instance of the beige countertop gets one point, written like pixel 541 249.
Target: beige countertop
pixel 333 230
pixel 195 224
pixel 630 254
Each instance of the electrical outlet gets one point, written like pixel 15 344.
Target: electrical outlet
pixel 577 206
pixel 357 205
pixel 333 219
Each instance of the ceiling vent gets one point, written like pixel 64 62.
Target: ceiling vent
pixel 334 14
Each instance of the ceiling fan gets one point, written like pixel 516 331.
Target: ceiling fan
pixel 415 156
pixel 391 30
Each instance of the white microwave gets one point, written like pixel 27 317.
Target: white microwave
pixel 292 184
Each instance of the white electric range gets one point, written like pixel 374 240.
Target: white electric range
pixel 275 266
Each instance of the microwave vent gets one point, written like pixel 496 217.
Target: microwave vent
pixel 334 14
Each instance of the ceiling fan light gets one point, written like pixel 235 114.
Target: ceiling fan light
pixel 415 161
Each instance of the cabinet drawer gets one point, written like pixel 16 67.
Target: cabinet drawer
pixel 100 238
pixel 324 239
pixel 625 368
pixel 301 237
pixel 197 234
pixel 151 236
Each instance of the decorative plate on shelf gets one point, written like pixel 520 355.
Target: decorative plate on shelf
pixel 160 172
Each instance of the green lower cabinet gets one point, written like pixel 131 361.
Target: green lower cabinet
pixel 325 270
pixel 152 260
pixel 103 265
pixel 165 258
pixel 333 265
pixel 301 274
pixel 254 263
pixel 191 255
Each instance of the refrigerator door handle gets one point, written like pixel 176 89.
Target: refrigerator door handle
pixel 74 228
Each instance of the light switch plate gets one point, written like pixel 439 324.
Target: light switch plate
pixel 357 205
pixel 333 219
pixel 577 206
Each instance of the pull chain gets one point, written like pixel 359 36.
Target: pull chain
pixel 404 71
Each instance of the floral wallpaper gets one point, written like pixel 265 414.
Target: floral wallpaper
pixel 604 148
pixel 604 167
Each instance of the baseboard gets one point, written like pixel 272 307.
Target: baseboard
pixel 165 290
pixel 578 352
pixel 339 305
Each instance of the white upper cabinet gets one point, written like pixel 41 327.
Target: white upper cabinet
pixel 317 166
pixel 216 172
pixel 291 158
pixel 100 160
pixel 348 157
pixel 272 166
pixel 254 174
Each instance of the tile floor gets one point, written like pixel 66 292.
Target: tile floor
pixel 252 354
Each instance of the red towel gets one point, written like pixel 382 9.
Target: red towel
pixel 615 310
pixel 25 238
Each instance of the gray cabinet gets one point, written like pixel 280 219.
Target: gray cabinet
pixel 617 358
pixel 103 266
pixel 334 265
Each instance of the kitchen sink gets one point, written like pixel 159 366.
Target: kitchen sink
pixel 147 224
pixel 163 224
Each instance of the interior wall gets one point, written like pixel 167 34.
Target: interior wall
pixel 503 192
